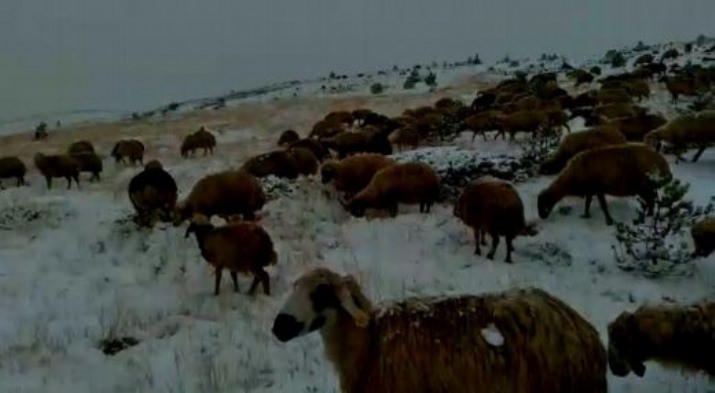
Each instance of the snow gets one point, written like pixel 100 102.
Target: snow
pixel 74 271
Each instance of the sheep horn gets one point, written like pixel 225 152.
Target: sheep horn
pixel 345 296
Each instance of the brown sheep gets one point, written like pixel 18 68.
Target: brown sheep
pixel 493 206
pixel 366 141
pixel 613 96
pixel 89 162
pixel 326 129
pixel 681 336
pixel 82 146
pixel 482 122
pixel 521 340
pixel 703 233
pixel 344 117
pixel 679 87
pixel 12 167
pixel 320 152
pixel 200 139
pixel 153 194
pixel 278 163
pixel 352 174
pixel 644 59
pixel 287 137
pixel 690 130
pixel 613 111
pixel 61 165
pixel 223 194
pixel 132 149
pixel 577 142
pixel 581 77
pixel 526 121
pixel 637 88
pixel 410 183
pixel 635 128
pixel 239 247
pixel 618 170
pixel 406 136
pixel 359 115
pixel 304 160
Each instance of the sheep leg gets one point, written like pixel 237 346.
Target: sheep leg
pixel 477 249
pixel 392 208
pixel 587 206
pixel 493 249
pixel 69 182
pixel 509 249
pixel 698 154
pixel 261 276
pixel 234 278
pixel 484 238
pixel 217 281
pixel 604 207
pixel 48 179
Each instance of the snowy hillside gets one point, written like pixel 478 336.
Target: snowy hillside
pixel 75 271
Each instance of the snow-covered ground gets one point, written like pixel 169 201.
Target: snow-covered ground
pixel 75 271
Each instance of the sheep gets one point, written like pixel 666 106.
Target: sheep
pixel 82 146
pixel 13 167
pixel 201 139
pixel 132 149
pixel 483 101
pixel 635 128
pixel 320 152
pixel 696 129
pixel 406 136
pixel 679 87
pixel 482 122
pixel 287 137
pixel 239 247
pixel 527 121
pixel 521 340
pixel 360 115
pixel 61 165
pixel 89 162
pixel 279 163
pixel 367 141
pixel 223 194
pixel 344 117
pixel 581 77
pixel 613 96
pixel 493 206
pixel 613 111
pixel 577 142
pixel 618 170
pixel 637 88
pixel 411 182
pixel 325 129
pixel 304 160
pixel 703 234
pixel 352 174
pixel 153 194
pixel 677 336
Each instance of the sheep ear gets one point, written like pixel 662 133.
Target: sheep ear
pixel 347 291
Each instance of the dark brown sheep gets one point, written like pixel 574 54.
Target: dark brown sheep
pixel 352 174
pixel 691 130
pixel 131 149
pixel 524 121
pixel 320 152
pixel 482 122
pixel 703 233
pixel 305 162
pixel 287 137
pixel 278 163
pixel 201 139
pixel 326 129
pixel 63 165
pixel 89 162
pixel 82 146
pixel 577 142
pixel 13 167
pixel 636 128
pixel 366 141
pixel 153 194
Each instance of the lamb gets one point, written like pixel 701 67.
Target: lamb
pixel 201 139
pixel 287 137
pixel 703 233
pixel 61 165
pixel 279 163
pixel 12 167
pixel 89 162
pixel 677 336
pixel 132 149
pixel 618 170
pixel 696 130
pixel 404 136
pixel 304 160
pixel 352 174
pixel 223 194
pixel 491 205
pixel 411 183
pixel 577 142
pixel 521 340
pixel 239 247
pixel 82 146
pixel 320 152
pixel 153 194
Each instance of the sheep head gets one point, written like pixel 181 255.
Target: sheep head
pixel 623 353
pixel 328 171
pixel 319 298
pixel 545 202
pixel 357 205
pixel 199 224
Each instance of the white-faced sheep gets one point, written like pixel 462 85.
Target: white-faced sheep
pixel 693 130
pixel 153 194
pixel 410 183
pixel 521 340
pixel 223 194
pixel 681 336
pixel 62 165
pixel 703 233
pixel 238 247
pixel 618 170
pixel 13 167
pixel 577 142
pixel 354 173
pixel 131 149
pixel 493 206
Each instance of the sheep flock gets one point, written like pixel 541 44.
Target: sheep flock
pixel 352 218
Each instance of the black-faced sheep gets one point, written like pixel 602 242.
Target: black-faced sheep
pixel 153 194
pixel 13 167
pixel 238 247
pixel 320 152
pixel 493 206
pixel 521 340
pixel 223 194
pixel 409 183
pixel 618 170
pixel 131 149
pixel 577 142
pixel 287 137
pixel 89 162
pixel 79 147
pixel 692 130
pixel 62 165
pixel 681 336
pixel 703 233
pixel 352 174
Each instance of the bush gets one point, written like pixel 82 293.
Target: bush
pixel 411 80
pixel 431 79
pixel 618 61
pixel 377 88
pixel 655 245
pixel 595 70
pixel 536 149
pixel 641 47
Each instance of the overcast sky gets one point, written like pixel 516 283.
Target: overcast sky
pixel 58 55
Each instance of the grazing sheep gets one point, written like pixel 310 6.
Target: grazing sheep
pixel 326 129
pixel 636 128
pixel 343 117
pixel 526 121
pixel 153 194
pixel 618 170
pixel 82 146
pixel 406 136
pixel 703 233
pixel 614 111
pixel 637 88
pixel 681 336
pixel 410 183
pixel 239 247
pixel 223 194
pixel 61 165
pixel 304 160
pixel 521 340
pixel 287 137
pixel 320 152
pixel 482 122
pixel 493 206
pixel 279 163
pixel 692 130
pixel 680 87
pixel 577 142
pixel 13 167
pixel 613 96
pixel 352 174
pixel 200 139
pixel 349 143
pixel 132 149
pixel 89 162
pixel 360 115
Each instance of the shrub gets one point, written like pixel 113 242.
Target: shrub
pixel 595 70
pixel 431 79
pixel 618 61
pixel 377 88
